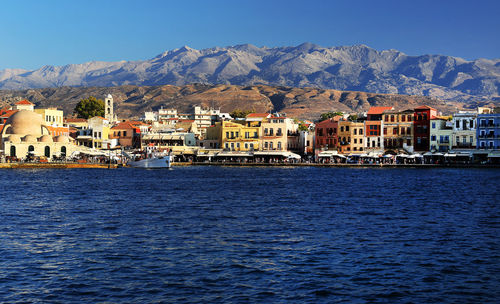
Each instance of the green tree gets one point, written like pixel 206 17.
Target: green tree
pixel 303 127
pixel 352 117
pixel 237 113
pixel 328 115
pixel 89 107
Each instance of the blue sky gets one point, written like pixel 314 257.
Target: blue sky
pixel 38 33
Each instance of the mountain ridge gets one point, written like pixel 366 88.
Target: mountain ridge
pixel 352 68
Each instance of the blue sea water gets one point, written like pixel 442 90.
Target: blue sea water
pixel 250 235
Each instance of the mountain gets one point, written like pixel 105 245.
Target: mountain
pixel 353 68
pixel 133 101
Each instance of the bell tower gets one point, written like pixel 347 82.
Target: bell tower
pixel 108 108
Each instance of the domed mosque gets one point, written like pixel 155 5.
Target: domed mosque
pixel 24 133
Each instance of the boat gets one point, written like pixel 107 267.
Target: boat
pixel 153 162
pixel 150 159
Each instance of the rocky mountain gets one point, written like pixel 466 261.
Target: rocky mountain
pixel 354 68
pixel 133 101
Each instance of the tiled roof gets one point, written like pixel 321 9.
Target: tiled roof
pixel 124 125
pixel 378 110
pixel 8 113
pixel 75 120
pixel 24 102
pixel 264 115
pixel 425 108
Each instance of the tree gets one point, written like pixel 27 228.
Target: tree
pixel 303 127
pixel 352 117
pixel 89 107
pixel 328 115
pixel 237 113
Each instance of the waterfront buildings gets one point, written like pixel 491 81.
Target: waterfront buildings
pixel 441 134
pixel 421 125
pixel 326 134
pixel 397 131
pixel 488 131
pixel 373 129
pixel 25 135
pixel 464 130
pixel 351 137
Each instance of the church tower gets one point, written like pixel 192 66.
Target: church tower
pixel 108 108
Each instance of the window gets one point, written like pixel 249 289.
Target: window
pixel 237 134
pixel 355 140
pixel 433 137
pixel 385 131
pixel 279 145
pixel 246 146
pixel 270 145
pixel 266 144
pixel 47 151
pixel 471 139
pixel 227 134
pixel 232 134
pixel 347 128
pixel 458 139
pixel 266 131
pixel 251 146
pixel 255 135
pixel 271 132
pixel 394 131
pixel 226 145
pixel 355 131
pixel 341 129
pixel 232 146
pixel 238 145
pixel 403 118
pixel 247 134
pixel 124 133
pixel 433 125
pixel 360 131
pixel 392 118
pixel 403 131
pixel 360 140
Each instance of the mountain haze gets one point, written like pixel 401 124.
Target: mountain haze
pixel 354 68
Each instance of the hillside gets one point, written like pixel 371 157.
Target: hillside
pixel 132 101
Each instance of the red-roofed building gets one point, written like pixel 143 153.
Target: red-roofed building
pixel 421 127
pixel 24 105
pixel 127 133
pixel 373 127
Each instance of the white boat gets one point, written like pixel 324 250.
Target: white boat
pixel 153 162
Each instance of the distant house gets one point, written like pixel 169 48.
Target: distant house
pixel 24 105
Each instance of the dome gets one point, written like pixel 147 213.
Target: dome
pixel 46 139
pixel 14 138
pixel 25 122
pixel 30 138
pixel 61 139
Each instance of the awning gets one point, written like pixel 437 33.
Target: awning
pixel 234 154
pixel 428 154
pixel 494 154
pixel 328 154
pixel 449 155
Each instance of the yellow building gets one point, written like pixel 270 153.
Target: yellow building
pixel 233 135
pixel 51 116
pixel 350 137
pixel 398 130
pixel 274 134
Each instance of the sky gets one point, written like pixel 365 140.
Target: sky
pixel 38 33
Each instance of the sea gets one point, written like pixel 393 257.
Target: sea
pixel 210 234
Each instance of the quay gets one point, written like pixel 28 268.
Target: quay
pixel 340 165
pixel 17 165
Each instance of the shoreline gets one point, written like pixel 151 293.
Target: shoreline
pixel 237 164
pixel 56 166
